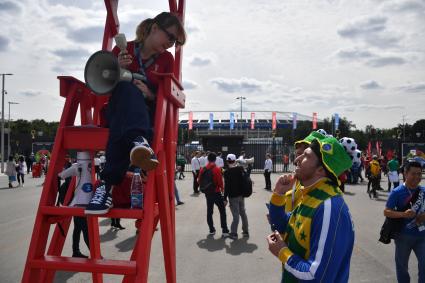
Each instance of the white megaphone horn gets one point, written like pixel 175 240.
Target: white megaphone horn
pixel 103 72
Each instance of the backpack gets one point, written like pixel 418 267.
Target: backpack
pixel 206 184
pixel 246 185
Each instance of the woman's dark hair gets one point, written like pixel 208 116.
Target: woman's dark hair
pixel 164 20
pixel 212 157
pixel 10 158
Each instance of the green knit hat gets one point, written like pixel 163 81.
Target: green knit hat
pixel 308 139
pixel 334 157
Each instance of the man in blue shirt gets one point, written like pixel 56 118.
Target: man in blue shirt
pixel 399 205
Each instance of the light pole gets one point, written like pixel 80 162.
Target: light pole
pixel 10 131
pixel 241 98
pixel 2 122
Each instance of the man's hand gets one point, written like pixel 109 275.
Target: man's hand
pixel 284 184
pixel 409 213
pixel 276 243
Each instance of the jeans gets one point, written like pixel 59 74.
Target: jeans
pixel 129 120
pixel 404 244
pixel 237 207
pixel 216 199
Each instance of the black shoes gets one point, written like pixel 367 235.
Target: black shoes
pixel 180 202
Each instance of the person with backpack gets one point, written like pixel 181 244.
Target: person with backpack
pixel 211 184
pixel 234 191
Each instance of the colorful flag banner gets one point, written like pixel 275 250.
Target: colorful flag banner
pixel 232 120
pixel 314 120
pixel 294 120
pixel 252 120
pixel 211 121
pixel 336 117
pixel 190 120
pixel 273 120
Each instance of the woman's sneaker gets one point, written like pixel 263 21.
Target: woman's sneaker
pixel 101 202
pixel 142 156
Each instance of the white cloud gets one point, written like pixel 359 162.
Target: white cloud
pixel 370 85
pixel 385 61
pixel 188 84
pixel 413 87
pixel 200 60
pixel 245 85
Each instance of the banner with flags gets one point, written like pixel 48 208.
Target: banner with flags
pixel 294 120
pixel 252 120
pixel 314 120
pixel 336 117
pixel 190 120
pixel 232 120
pixel 273 120
pixel 211 121
pixel 369 149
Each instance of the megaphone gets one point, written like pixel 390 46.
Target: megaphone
pixel 103 72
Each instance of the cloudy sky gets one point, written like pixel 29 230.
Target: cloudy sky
pixel 363 59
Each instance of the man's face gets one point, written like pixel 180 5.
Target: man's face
pixel 413 176
pixel 307 165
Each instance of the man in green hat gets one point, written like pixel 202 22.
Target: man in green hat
pixel 318 236
pixel 292 196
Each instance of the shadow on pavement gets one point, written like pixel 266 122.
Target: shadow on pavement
pixel 349 193
pixel 240 246
pixel 105 222
pixel 127 244
pixel 63 276
pixel 110 235
pixel 236 247
pixel 7 188
pixel 212 244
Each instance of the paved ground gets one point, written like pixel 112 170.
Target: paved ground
pixel 199 258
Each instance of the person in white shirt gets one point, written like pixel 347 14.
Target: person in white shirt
pixel 196 166
pixel 268 166
pixel 203 159
pixel 219 161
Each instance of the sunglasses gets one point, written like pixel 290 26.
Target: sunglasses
pixel 171 37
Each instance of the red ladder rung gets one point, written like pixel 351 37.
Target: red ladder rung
pixel 122 267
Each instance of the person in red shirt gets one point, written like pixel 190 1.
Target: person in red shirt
pixel 131 106
pixel 216 196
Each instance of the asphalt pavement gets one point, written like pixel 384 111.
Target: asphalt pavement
pixel 200 258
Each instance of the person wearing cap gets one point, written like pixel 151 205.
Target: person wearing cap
pixel 233 190
pixel 315 241
pixel 292 197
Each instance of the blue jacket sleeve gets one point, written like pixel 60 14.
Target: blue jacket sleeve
pixel 278 217
pixel 332 240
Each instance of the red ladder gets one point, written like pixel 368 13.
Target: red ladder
pixel 159 191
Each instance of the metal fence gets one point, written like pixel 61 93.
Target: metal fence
pixel 257 148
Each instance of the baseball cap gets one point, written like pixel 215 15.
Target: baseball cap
pixel 231 157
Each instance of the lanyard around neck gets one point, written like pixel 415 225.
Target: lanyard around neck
pixel 143 66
